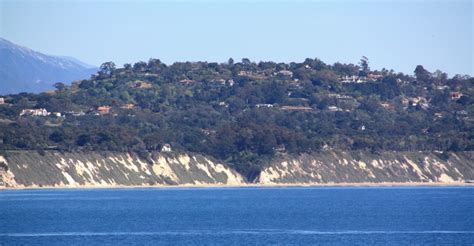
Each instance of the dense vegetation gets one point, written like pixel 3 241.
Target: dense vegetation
pixel 245 112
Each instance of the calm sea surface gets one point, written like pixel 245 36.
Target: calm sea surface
pixel 239 216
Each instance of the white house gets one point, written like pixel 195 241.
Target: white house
pixel 230 82
pixel 349 79
pixel 166 148
pixel 264 105
pixel 353 79
pixel 287 73
pixel 334 108
pixel 35 112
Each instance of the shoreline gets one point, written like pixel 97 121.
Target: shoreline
pixel 282 185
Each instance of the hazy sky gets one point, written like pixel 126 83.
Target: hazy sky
pixel 393 34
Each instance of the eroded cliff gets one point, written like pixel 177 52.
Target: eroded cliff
pixel 20 169
pixel 359 167
pixel 55 169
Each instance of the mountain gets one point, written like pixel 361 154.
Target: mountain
pixel 25 70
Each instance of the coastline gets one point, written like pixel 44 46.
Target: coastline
pixel 250 185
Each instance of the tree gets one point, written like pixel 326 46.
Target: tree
pixel 364 66
pixel 86 84
pixel 140 66
pixel 422 74
pixel 345 69
pixel 246 61
pixel 56 136
pixel 127 66
pixel 440 76
pixel 83 139
pixel 152 62
pixel 107 68
pixel 60 86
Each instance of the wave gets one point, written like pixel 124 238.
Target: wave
pixel 211 232
pixel 51 198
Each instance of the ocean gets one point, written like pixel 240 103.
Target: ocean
pixel 239 216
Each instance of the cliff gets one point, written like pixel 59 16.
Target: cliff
pixel 358 167
pixel 55 169
pixel 20 169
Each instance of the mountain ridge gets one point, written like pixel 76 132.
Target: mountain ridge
pixel 25 70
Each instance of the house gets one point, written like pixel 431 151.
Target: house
pixel 455 95
pixel 374 77
pixel 401 81
pixel 361 80
pixel 245 73
pixel 34 112
pixel 294 87
pixel 2 100
pixel 326 147
pixel 230 82
pixel 264 105
pixel 416 101
pixel 334 108
pixel 442 87
pixel 218 81
pixel 186 81
pixel 348 79
pixel 286 73
pixel 251 75
pixel 339 96
pixel 223 104
pixel 413 101
pixel 300 108
pixel 344 97
pixel 141 85
pixel 280 149
pixel 353 79
pixel 166 148
pixel 75 113
pixel 424 105
pixel 462 112
pixel 387 105
pixel 127 106
pixel 103 109
pixel 405 101
pixel 208 132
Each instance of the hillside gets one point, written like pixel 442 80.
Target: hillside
pixel 246 113
pixel 25 70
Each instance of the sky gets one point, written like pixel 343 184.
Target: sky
pixel 393 34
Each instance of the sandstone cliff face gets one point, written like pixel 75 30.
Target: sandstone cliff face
pixel 110 169
pixel 54 169
pixel 357 167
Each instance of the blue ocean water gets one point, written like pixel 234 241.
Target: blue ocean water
pixel 239 216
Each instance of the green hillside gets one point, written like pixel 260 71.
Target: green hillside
pixel 245 112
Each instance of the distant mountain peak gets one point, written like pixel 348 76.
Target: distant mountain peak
pixel 25 70
pixel 75 60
